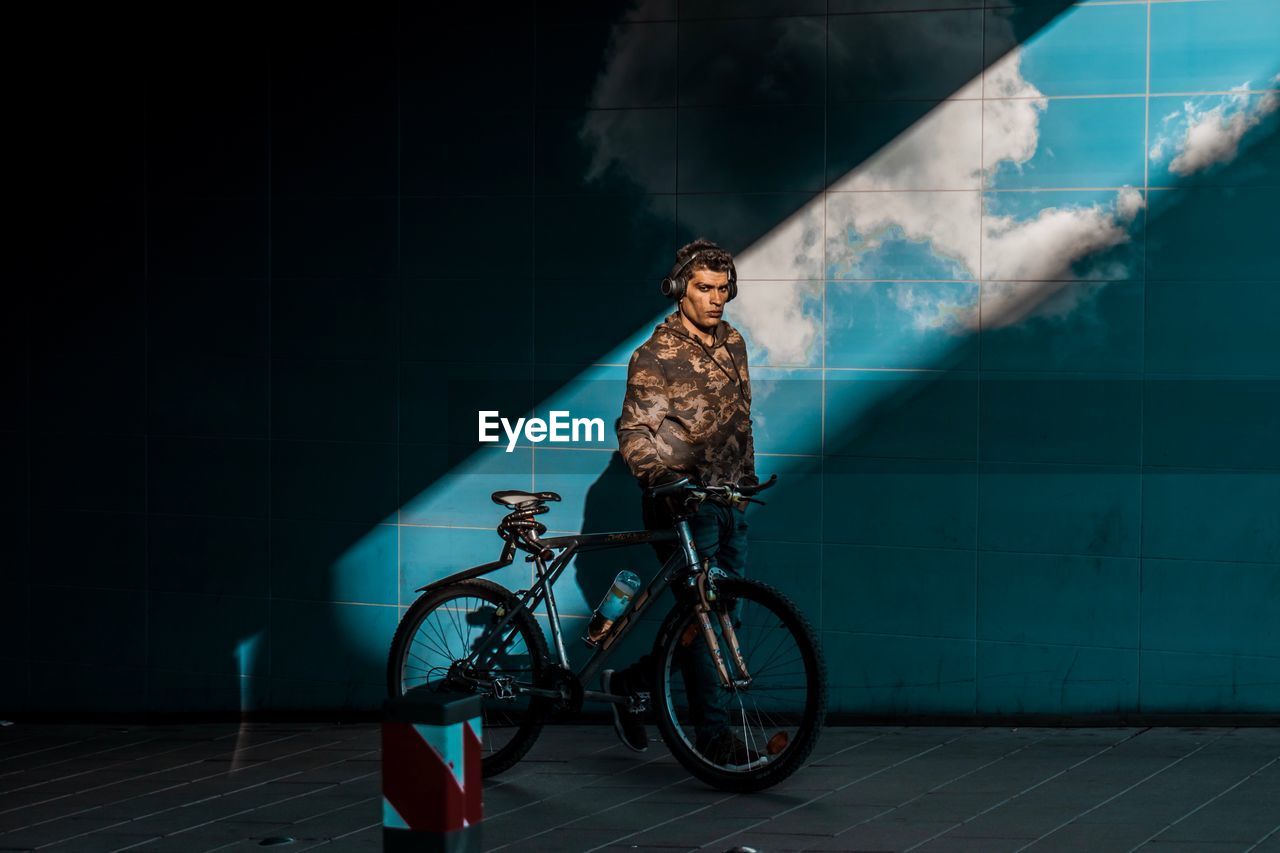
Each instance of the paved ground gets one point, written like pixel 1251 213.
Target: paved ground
pixel 217 787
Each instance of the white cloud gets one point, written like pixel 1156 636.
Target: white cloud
pixel 1203 136
pixel 923 187
pixel 774 315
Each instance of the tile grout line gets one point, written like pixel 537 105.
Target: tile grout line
pixel 1031 788
pixel 1119 794
pixel 1207 802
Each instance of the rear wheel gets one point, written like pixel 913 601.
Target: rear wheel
pixel 750 737
pixel 442 629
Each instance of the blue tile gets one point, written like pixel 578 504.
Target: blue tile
pixel 1211 608
pixel 902 325
pixel 210 237
pixel 1081 143
pixel 322 642
pixel 508 306
pixel 896 235
pixel 1071 326
pixel 593 393
pixel 899 675
pixel 15 677
pixel 224 317
pixel 14 547
pixel 118 558
pixel 210 556
pixel 794 510
pixel 14 645
pixel 598 492
pixel 1212 421
pixel 208 476
pixel 1213 46
pixel 786 410
pixel 781 322
pixel 587 236
pixel 88 473
pixel 1200 683
pixel 208 396
pixel 1056 417
pixel 893 144
pixel 903 56
pixel 88 394
pixel 335 481
pixel 443 236
pixel 206 633
pixel 604 331
pixel 98 688
pixel 316 237
pixel 913 414
pixel 1214 139
pixel 1058 600
pixel 345 318
pixel 322 145
pixel 492 157
pixel 440 403
pixel 1193 514
pixel 781 233
pixel 1063 235
pixel 569 63
pixel 332 561
pixel 204 692
pixel 751 148
pixel 1211 234
pixel 1198 327
pixel 1063 509
pixel 428 554
pixel 902 502
pixel 795 569
pixel 604 151
pixel 1087 50
pixel 438 65
pixel 71 626
pixel 1017 678
pixel 733 72
pixel 440 485
pixel 923 592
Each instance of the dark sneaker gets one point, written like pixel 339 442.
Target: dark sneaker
pixel 625 722
pixel 727 750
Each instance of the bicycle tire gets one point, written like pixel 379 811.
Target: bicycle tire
pixel 675 632
pixel 528 721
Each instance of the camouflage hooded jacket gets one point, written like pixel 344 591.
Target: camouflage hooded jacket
pixel 688 407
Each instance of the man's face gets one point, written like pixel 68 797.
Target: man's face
pixel 705 296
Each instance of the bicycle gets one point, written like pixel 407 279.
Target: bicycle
pixel 466 633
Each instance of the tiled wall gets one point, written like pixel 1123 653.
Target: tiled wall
pixel 1007 279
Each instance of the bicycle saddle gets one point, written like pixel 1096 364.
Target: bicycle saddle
pixel 515 497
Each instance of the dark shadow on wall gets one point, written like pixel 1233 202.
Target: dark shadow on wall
pixel 242 299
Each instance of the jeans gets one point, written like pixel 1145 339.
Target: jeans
pixel 720 533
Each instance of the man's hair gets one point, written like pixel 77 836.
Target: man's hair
pixel 713 257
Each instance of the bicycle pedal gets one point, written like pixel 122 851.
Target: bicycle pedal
pixel 638 702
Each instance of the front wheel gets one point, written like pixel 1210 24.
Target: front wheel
pixel 751 737
pixel 437 637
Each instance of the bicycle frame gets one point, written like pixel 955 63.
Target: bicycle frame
pixel 542 592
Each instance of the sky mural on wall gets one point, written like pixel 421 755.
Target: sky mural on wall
pixel 1019 198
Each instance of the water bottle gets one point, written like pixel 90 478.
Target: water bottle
pixel 615 603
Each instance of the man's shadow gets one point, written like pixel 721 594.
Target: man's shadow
pixel 612 503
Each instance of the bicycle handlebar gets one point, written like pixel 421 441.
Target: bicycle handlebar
pixel 731 492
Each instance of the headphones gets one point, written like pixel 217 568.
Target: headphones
pixel 673 286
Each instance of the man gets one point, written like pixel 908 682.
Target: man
pixel 687 413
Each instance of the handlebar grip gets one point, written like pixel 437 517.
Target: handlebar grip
pixel 671 488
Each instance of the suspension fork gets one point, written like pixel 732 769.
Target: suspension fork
pixel 702 610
